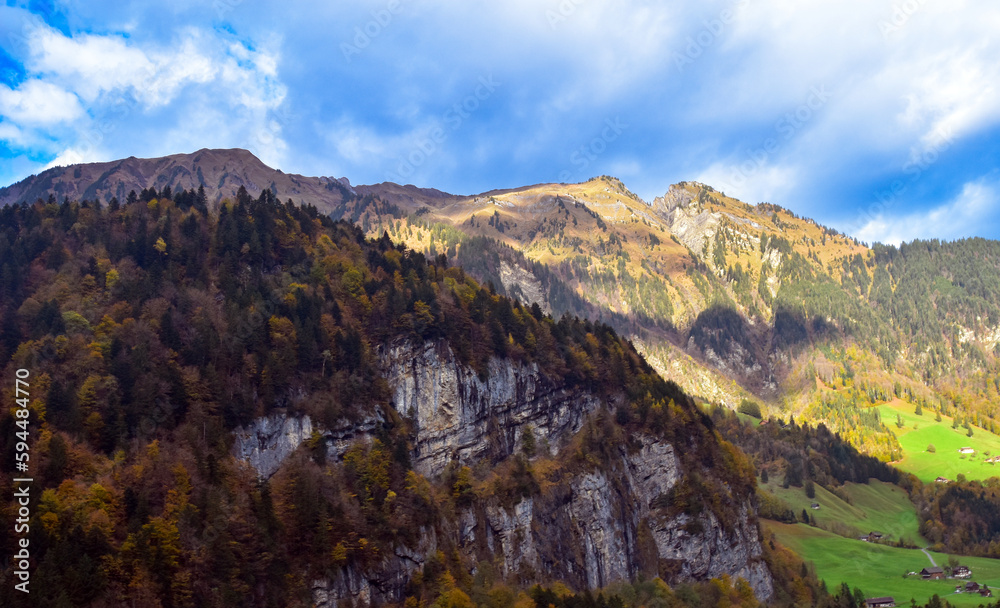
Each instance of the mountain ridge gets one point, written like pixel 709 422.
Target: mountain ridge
pixel 734 301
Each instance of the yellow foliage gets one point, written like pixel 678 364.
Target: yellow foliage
pixel 50 521
pixel 112 278
pixel 281 328
pixel 339 554
pixel 456 598
pixel 524 601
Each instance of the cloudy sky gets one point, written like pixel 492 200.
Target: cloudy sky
pixel 878 117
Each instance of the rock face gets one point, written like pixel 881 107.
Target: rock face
pixel 601 528
pixel 460 416
pixel 589 529
pixel 266 442
pixel 520 283
pixel 688 220
pixel 382 584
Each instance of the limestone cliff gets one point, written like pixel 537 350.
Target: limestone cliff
pixel 590 528
pixel 603 526
pixel 460 416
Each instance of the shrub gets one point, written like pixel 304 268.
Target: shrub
pixel 750 408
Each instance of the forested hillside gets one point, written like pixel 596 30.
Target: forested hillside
pixel 739 301
pixel 733 301
pixel 155 328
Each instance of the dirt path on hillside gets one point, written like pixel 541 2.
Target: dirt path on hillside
pixel 933 563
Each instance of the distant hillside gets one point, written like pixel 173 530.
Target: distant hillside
pixel 220 172
pixel 255 405
pixel 733 301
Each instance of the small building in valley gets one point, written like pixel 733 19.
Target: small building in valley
pixel 880 602
pixel 943 480
pixel 932 573
pixel 961 572
pixel 966 451
pixel 815 505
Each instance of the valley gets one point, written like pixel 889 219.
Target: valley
pixel 948 438
pixel 587 321
pixel 878 569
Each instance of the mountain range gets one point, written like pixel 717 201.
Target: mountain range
pixel 256 387
pixel 736 302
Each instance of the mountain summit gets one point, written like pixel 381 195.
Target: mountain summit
pixel 220 172
pixel 735 302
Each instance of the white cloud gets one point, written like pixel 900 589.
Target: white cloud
pixel 11 133
pixel 195 89
pixel 900 94
pixel 38 103
pixel 96 64
pixel 751 181
pixel 977 205
pixel 74 156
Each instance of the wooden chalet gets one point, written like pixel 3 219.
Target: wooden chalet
pixel 880 602
pixel 932 573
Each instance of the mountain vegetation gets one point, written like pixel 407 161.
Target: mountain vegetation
pixel 162 304
pixel 154 328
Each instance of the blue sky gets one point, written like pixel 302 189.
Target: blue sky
pixel 880 118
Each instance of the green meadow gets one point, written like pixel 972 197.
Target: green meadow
pixel 918 432
pixel 879 570
pixel 876 506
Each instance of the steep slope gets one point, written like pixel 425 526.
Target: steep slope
pixel 258 406
pixel 733 301
pixel 220 172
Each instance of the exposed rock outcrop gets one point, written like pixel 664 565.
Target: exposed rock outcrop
pixel 460 416
pixel 382 584
pixel 588 529
pixel 522 284
pixel 604 526
pixel 266 442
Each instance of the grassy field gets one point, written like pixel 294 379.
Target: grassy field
pixel 920 431
pixel 877 506
pixel 877 569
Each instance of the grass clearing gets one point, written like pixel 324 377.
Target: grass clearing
pixel 920 431
pixel 876 506
pixel 878 569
